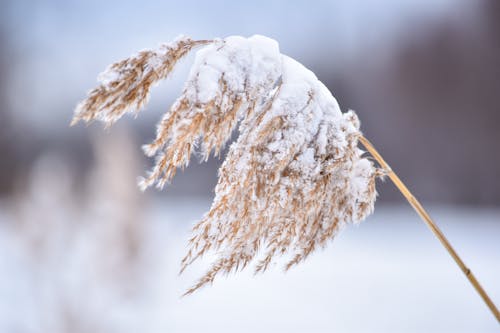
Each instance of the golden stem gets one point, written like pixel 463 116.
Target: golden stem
pixel 434 228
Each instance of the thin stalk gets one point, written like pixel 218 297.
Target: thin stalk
pixel 430 223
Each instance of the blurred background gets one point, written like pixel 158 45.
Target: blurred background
pixel 82 250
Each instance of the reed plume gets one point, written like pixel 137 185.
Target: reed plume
pixel 125 85
pixel 293 178
pixel 295 175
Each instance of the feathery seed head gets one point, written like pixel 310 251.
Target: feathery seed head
pixel 293 178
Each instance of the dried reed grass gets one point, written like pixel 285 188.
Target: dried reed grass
pixel 293 178
pixel 125 85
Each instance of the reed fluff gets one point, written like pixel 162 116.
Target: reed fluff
pixel 293 178
pixel 125 85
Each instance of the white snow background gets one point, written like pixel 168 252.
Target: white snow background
pixel 389 274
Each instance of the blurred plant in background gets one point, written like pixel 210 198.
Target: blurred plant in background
pixel 81 248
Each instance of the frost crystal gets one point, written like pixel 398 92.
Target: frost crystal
pixel 294 176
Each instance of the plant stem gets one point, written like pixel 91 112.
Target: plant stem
pixel 434 228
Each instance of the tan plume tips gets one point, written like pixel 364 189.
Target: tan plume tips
pixel 293 178
pixel 125 85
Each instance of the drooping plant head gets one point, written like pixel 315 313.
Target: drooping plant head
pixel 290 181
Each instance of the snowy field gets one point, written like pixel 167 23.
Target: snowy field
pixel 389 274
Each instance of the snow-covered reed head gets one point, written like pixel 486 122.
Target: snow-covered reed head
pixel 293 177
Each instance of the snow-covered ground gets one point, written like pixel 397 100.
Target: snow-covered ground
pixel 389 274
